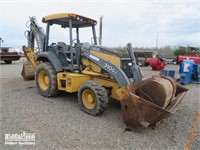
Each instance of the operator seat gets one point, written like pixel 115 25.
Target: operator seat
pixel 64 46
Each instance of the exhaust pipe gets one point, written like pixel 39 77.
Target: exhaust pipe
pixel 100 30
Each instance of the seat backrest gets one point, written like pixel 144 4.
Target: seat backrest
pixel 64 46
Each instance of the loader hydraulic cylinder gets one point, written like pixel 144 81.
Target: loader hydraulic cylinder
pixel 137 75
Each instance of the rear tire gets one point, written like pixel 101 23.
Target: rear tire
pixel 175 62
pixel 8 61
pixel 92 98
pixel 46 80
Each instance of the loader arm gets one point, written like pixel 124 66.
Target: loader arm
pixel 113 70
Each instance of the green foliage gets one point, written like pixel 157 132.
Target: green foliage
pixel 165 51
pixel 121 49
pixel 180 51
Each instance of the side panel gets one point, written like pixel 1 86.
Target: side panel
pixel 71 82
pixel 51 57
pixel 113 59
pixel 112 86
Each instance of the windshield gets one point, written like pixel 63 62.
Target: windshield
pixel 58 34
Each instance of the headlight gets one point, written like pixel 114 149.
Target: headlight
pixel 130 64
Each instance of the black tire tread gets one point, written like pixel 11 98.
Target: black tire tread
pixel 100 94
pixel 8 61
pixel 53 91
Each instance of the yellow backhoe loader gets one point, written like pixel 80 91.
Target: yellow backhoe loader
pixel 96 72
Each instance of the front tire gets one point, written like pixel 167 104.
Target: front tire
pixel 93 98
pixel 46 80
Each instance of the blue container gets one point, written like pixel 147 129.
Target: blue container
pixel 185 78
pixel 186 70
pixel 171 73
pixel 164 72
pixel 181 67
pixel 187 66
pixel 196 73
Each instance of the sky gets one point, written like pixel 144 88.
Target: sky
pixel 141 22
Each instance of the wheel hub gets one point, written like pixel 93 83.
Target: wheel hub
pixel 88 99
pixel 46 80
pixel 43 80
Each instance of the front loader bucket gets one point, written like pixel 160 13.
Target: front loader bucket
pixel 149 101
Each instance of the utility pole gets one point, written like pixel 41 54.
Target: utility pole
pixel 1 40
pixel 157 40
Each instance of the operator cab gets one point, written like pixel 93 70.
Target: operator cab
pixel 66 51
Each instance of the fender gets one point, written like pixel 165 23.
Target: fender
pixel 52 58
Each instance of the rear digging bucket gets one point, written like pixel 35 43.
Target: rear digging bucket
pixel 28 71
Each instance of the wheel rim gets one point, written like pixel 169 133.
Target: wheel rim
pixel 140 63
pixel 43 80
pixel 88 99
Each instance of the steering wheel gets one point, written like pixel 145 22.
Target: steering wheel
pixel 74 43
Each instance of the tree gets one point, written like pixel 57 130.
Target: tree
pixel 180 51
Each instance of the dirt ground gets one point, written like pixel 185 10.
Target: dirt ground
pixel 59 123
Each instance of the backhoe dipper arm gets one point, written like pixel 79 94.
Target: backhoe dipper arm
pixel 36 33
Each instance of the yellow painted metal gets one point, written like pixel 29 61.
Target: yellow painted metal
pixel 71 82
pixel 112 59
pixel 30 55
pixel 90 73
pixel 95 68
pixel 43 80
pixel 111 86
pixel 94 71
pixel 88 99
pixel 91 67
pixel 65 16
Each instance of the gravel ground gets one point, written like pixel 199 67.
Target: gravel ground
pixel 58 123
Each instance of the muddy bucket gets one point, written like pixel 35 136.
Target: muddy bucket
pixel 28 71
pixel 149 101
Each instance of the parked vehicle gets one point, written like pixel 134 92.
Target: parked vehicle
pixel 180 58
pixel 8 54
pixel 143 57
pixel 97 73
pixel 170 61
